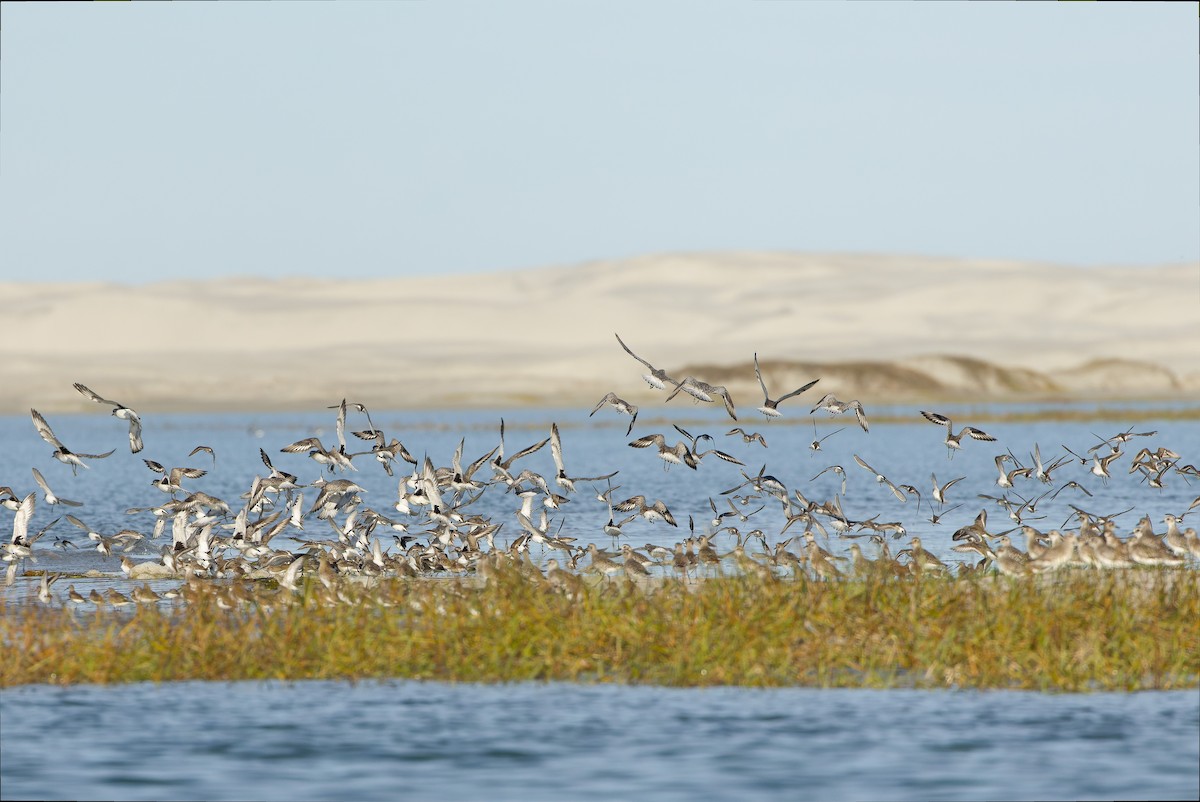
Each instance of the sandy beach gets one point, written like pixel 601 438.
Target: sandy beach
pixel 879 328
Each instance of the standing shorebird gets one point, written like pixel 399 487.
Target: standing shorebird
pixel 835 407
pixel 120 411
pixel 954 441
pixel 770 407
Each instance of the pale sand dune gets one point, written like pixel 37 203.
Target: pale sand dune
pixel 545 335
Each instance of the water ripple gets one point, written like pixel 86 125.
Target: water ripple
pixel 380 740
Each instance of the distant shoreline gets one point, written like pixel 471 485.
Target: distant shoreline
pixel 877 328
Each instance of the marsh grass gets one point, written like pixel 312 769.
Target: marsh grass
pixel 1079 631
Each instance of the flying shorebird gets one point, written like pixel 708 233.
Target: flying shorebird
pixel 703 391
pixel 881 479
pixel 656 378
pixel 61 452
pixel 560 477
pixel 1121 437
pixel 208 449
pixel 936 518
pixel 171 478
pixel 954 441
pixel 770 408
pixel 747 437
pixel 939 491
pixel 651 512
pixel 679 454
pixel 839 470
pixel 835 407
pixel 120 411
pixel 385 452
pixel 815 445
pixel 49 495
pixel 620 405
pixel 698 455
pixel 501 466
pixel 20 531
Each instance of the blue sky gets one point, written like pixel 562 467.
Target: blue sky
pixel 150 141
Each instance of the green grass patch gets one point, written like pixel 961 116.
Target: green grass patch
pixel 1074 631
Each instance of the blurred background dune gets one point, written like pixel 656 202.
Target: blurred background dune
pixel 878 328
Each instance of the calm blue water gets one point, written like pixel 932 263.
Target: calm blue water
pixel 409 740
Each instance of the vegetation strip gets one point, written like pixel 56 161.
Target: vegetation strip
pixel 1076 630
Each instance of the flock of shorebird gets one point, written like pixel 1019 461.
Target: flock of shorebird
pixel 430 527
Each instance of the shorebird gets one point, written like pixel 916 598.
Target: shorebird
pixel 633 563
pixel 835 407
pixel 1100 464
pixel 815 445
pixel 954 441
pixel 620 405
pixel 49 495
pixel 464 480
pixel 20 531
pixel 921 559
pixel 9 499
pixel 935 518
pixel 678 454
pixel 656 378
pixel 601 563
pixel 357 407
pixel 560 477
pixel 1073 485
pixel 837 468
pixel 613 527
pixel 385 452
pixel 126 538
pixel 747 437
pixel 501 466
pixel 703 391
pixel 1010 561
pixel 939 491
pixel 881 479
pixel 1005 479
pixel 822 566
pixel 1120 437
pixel 120 411
pixel 61 452
pixel 321 455
pixel 651 512
pixel 206 449
pixel 770 408
pixel 1157 461
pixel 171 479
pixel 976 530
pixel 1175 539
pixel 1042 472
pixel 1057 554
pixel 699 455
